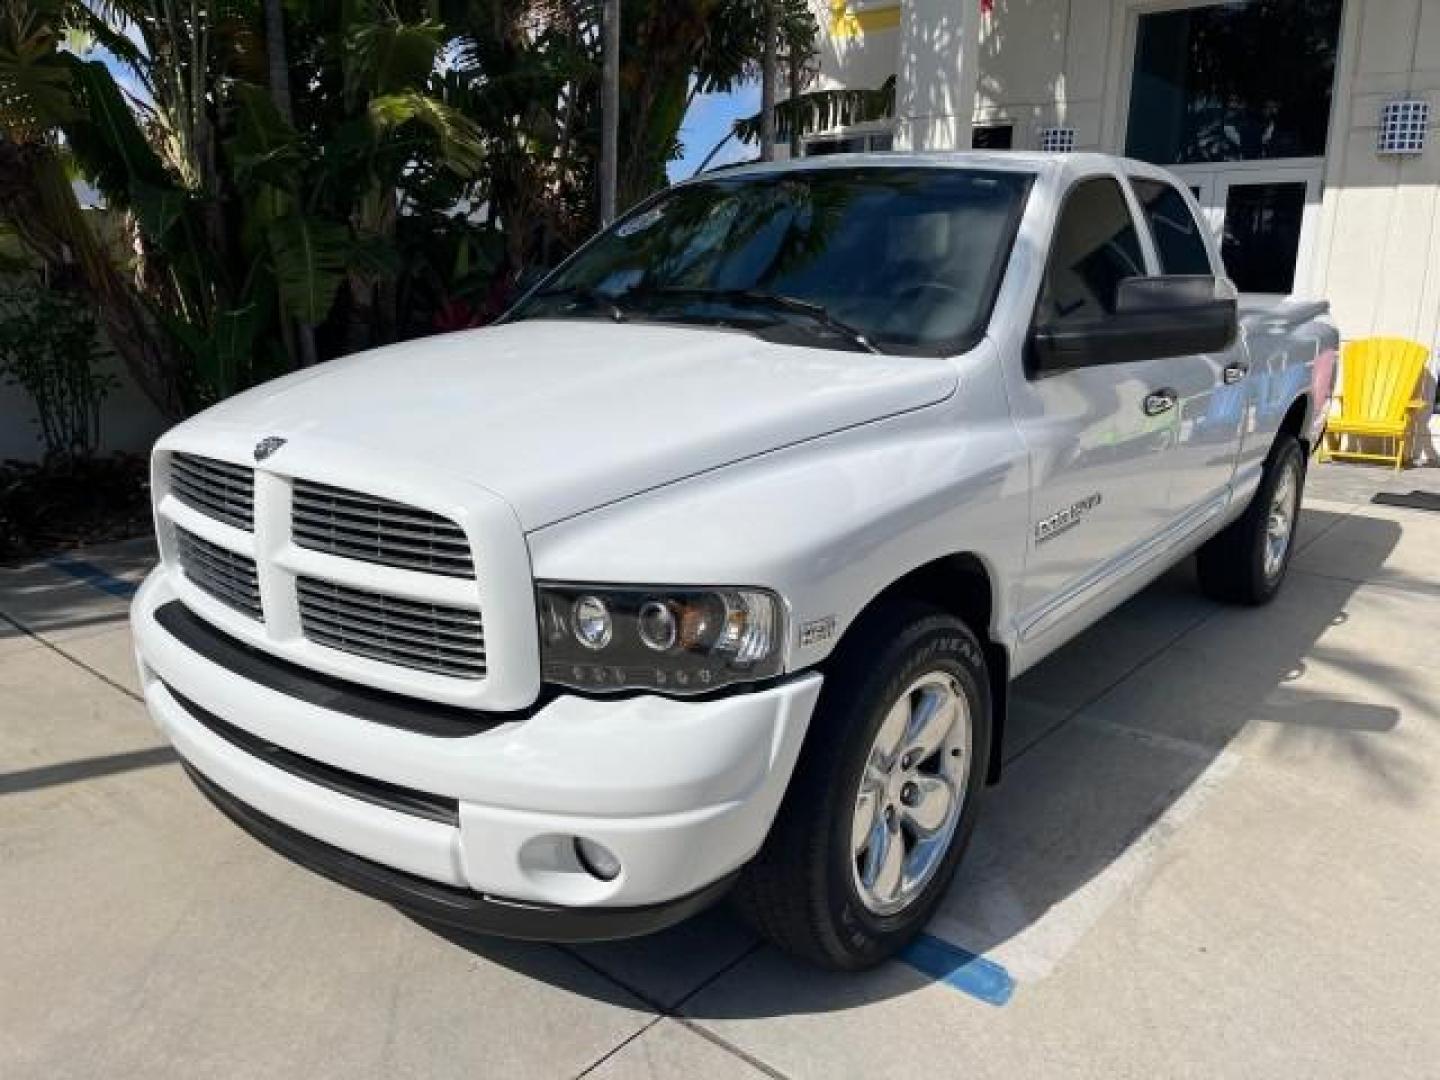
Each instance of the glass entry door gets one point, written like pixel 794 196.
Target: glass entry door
pixel 1264 216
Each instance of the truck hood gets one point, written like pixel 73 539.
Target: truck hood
pixel 559 417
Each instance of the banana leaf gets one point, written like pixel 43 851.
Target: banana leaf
pixel 104 137
pixel 264 149
pixel 309 257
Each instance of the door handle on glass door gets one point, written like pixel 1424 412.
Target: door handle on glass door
pixel 1160 401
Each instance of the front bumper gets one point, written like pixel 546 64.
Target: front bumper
pixel 447 905
pixel 481 830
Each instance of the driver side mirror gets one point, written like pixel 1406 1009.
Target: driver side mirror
pixel 1155 317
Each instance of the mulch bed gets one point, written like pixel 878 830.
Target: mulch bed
pixel 49 508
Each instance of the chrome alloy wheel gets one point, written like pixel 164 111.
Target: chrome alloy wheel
pixel 911 793
pixel 1280 521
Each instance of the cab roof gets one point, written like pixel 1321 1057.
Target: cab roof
pixel 1031 161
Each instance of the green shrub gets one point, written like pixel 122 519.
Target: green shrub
pixel 50 349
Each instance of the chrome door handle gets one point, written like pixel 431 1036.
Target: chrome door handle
pixel 1233 373
pixel 1161 401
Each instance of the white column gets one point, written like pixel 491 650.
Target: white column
pixel 936 74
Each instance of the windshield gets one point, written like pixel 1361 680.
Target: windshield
pixel 898 259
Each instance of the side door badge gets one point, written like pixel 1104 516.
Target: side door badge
pixel 1064 520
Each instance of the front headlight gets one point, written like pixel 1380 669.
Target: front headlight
pixel 677 640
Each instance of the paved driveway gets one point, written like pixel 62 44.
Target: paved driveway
pixel 1216 851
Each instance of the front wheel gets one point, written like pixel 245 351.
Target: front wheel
pixel 883 800
pixel 1247 562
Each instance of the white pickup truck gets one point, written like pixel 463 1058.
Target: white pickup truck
pixel 711 564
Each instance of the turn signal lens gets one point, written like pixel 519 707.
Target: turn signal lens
pixel 750 625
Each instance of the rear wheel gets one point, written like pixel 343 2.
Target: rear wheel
pixel 1247 562
pixel 883 800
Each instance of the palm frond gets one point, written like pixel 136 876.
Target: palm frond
pixel 389 57
pixel 105 137
pixel 457 137
pixel 822 110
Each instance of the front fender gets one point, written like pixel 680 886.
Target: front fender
pixel 829 524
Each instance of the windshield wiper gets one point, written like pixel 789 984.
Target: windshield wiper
pixel 758 298
pixel 586 295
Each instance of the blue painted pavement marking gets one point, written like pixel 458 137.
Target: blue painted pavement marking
pixel 957 968
pixel 92 575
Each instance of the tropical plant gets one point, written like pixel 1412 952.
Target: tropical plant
pixel 677 50
pixel 528 73
pixel 250 226
pixel 39 94
pixel 289 180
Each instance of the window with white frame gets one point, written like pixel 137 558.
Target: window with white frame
pixel 1233 81
pixel 860 142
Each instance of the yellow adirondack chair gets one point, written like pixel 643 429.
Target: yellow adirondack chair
pixel 1379 383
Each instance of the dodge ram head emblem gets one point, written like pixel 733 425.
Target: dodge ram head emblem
pixel 267 446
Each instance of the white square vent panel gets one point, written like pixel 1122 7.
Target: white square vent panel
pixel 1057 140
pixel 1403 127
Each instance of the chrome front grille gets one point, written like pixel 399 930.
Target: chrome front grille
pixel 410 633
pixel 412 599
pixel 228 577
pixel 217 489
pixel 375 530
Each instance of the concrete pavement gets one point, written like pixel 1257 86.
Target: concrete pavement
pixel 1216 852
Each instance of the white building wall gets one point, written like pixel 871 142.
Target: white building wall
pixel 855 49
pixel 1043 63
pixel 1379 249
pixel 935 91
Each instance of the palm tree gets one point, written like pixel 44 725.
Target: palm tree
pixel 609 109
pixel 771 30
pixel 277 54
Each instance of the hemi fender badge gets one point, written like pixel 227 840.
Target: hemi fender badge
pixel 817 631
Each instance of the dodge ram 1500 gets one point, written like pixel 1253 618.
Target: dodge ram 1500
pixel 710 564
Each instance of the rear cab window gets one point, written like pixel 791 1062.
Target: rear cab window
pixel 1179 240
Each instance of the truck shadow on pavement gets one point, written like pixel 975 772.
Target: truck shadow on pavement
pixel 1114 743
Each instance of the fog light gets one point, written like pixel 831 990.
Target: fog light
pixel 598 860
